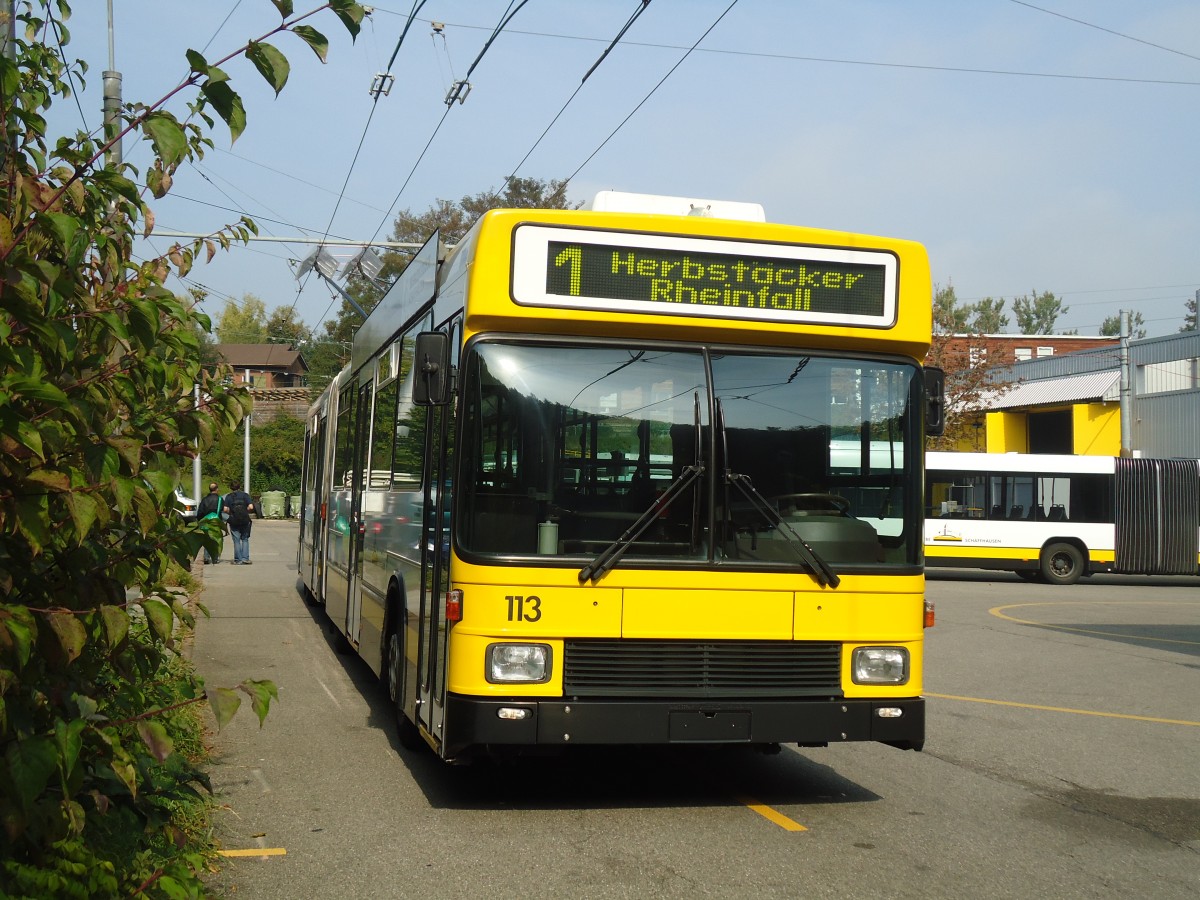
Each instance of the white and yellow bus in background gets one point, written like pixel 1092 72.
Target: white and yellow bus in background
pixel 633 477
pixel 1059 518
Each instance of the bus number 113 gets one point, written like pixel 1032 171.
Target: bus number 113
pixel 528 609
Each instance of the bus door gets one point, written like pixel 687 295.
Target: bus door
pixel 362 443
pixel 316 499
pixel 435 574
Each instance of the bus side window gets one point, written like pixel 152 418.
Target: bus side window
pixel 1058 513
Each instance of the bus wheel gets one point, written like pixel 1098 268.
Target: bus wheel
pixel 1062 564
pixel 406 731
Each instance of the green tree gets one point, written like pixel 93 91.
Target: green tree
pixel 948 316
pixel 276 456
pixel 988 316
pixel 454 219
pixel 1037 313
pixel 284 326
pixel 97 365
pixel 1189 319
pixel 961 348
pixel 325 357
pixel 243 321
pixel 1111 326
pixel 207 354
pixel 451 220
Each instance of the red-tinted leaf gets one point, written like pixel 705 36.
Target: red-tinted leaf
pixel 156 739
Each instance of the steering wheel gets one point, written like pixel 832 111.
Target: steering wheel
pixel 829 502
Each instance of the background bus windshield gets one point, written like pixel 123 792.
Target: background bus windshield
pixel 565 446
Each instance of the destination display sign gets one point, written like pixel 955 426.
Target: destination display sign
pixel 702 276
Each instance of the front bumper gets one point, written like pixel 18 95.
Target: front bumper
pixel 474 721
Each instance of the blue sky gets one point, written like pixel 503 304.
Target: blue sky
pixel 1049 145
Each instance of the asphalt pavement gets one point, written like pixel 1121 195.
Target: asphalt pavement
pixel 1060 763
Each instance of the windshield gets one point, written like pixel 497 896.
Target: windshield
pixel 743 456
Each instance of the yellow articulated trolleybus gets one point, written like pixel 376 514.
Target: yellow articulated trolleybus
pixel 609 477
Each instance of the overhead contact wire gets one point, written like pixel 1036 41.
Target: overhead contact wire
pixel 417 4
pixel 717 22
pixel 504 20
pixel 1127 37
pixel 633 18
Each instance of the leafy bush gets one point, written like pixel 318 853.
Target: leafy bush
pixel 276 456
pixel 98 361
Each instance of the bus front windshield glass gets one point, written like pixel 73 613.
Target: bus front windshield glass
pixel 687 456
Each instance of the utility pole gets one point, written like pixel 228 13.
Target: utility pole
pixel 1126 388
pixel 196 495
pixel 8 48
pixel 8 35
pixel 246 454
pixel 112 97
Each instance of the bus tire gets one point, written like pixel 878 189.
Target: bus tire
pixel 1062 563
pixel 407 732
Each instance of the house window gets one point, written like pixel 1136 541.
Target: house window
pixel 1045 351
pixel 1023 353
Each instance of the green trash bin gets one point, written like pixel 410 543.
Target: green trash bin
pixel 273 504
pixel 294 506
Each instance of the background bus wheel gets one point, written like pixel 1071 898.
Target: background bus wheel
pixel 408 733
pixel 1029 574
pixel 1062 564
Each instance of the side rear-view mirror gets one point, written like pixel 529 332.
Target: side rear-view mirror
pixel 431 360
pixel 935 401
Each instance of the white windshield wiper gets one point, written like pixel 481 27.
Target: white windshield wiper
pixel 821 571
pixel 612 554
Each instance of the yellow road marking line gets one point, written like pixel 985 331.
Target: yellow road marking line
pixel 771 815
pixel 1065 709
pixel 997 611
pixel 264 851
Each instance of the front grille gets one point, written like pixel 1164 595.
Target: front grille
pixel 711 669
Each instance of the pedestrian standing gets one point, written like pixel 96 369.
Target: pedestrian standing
pixel 239 505
pixel 210 507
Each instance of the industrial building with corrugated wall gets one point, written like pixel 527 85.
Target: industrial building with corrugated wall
pixel 1070 403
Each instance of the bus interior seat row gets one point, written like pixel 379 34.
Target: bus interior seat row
pixel 1056 513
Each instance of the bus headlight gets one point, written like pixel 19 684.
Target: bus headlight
pixel 879 665
pixel 518 663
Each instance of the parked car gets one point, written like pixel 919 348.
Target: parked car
pixel 185 505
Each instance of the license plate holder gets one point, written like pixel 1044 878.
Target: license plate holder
pixel 710 726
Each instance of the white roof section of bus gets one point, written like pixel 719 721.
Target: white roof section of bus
pixel 659 204
pixel 1072 389
pixel 1040 463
